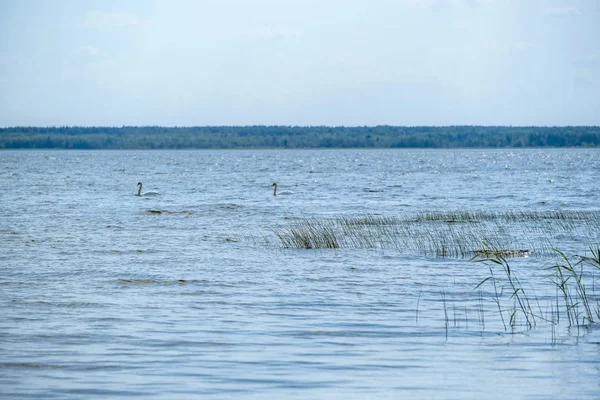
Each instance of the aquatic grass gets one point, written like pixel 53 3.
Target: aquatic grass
pixel 594 260
pixel 497 293
pixel 534 215
pixel 445 311
pixel 480 309
pixel 310 234
pixel 417 310
pixel 569 278
pixel 492 238
pixel 445 233
pixel 517 293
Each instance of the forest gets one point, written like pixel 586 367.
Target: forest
pixel 282 137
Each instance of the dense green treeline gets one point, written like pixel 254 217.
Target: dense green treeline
pixel 229 137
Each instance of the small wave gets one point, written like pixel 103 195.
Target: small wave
pixel 230 206
pixel 70 304
pixel 16 283
pixel 155 212
pixel 151 282
pixel 27 365
pixel 117 251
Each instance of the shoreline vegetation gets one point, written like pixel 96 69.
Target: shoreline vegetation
pixel 297 137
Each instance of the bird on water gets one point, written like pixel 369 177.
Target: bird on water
pixel 285 192
pixel 139 193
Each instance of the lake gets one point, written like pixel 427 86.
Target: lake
pixel 194 293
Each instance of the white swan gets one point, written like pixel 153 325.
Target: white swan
pixel 282 193
pixel 139 193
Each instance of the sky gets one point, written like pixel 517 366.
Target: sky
pixel 299 62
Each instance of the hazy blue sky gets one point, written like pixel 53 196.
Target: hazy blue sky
pixel 299 62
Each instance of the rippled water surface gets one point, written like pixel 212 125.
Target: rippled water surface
pixel 191 293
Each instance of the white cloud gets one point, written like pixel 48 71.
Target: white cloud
pixel 563 11
pixel 521 46
pixel 589 61
pixel 274 32
pixel 116 20
pixel 89 51
pixel 444 3
pixel 10 65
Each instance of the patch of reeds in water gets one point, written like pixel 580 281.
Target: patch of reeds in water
pixel 489 237
pixel 311 234
pixel 569 279
pixel 517 215
pixel 446 233
pixel 573 301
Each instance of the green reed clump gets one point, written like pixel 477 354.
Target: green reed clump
pixel 534 215
pixel 594 260
pixel 445 233
pixel 569 280
pixel 366 220
pixel 406 235
pixel 310 234
pixel 522 303
pixel 579 307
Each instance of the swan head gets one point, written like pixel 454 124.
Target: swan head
pixel 139 184
pixel 274 185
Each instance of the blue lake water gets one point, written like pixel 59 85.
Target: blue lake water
pixel 191 294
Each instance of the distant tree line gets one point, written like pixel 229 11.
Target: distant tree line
pixel 244 137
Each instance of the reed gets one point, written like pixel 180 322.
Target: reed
pixel 517 293
pixel 594 260
pixel 579 307
pixel 445 233
pixel 569 279
pixel 445 311
pixel 480 310
pixel 310 234
pixel 462 216
pixel 489 237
